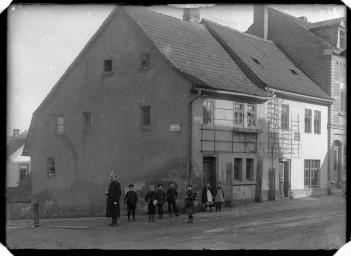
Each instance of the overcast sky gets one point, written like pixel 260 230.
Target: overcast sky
pixel 44 40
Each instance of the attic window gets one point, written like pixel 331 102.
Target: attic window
pixel 293 71
pixel 256 61
pixel 145 60
pixel 107 65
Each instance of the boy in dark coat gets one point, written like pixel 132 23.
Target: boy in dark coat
pixel 161 199
pixel 131 199
pixel 151 199
pixel 189 202
pixel 172 195
pixel 112 206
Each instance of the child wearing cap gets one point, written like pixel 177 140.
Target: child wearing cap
pixel 131 199
pixel 189 202
pixel 151 200
pixel 161 199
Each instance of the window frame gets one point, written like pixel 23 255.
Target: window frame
pixel 252 171
pixel 142 116
pixel 108 66
pixel 313 167
pixel 60 131
pixel 49 170
pixel 251 113
pixel 317 120
pixel 284 124
pixel 308 119
pixel 20 166
pixel 340 39
pixel 210 106
pixel 144 60
pixel 85 129
pixel 239 111
pixel 240 171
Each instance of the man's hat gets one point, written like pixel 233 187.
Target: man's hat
pixel 131 185
pixel 159 185
pixel 189 185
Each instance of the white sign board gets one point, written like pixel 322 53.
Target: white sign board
pixel 197 119
pixel 175 128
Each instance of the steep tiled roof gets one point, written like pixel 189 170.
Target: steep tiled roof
pixel 191 49
pixel 325 23
pixel 13 145
pixel 267 62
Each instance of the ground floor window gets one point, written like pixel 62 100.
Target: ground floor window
pixel 312 168
pixel 244 169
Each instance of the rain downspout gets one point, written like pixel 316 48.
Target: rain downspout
pixel 190 165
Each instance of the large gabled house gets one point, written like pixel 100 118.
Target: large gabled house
pixel 319 50
pixel 158 99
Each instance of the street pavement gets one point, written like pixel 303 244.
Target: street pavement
pixel 307 223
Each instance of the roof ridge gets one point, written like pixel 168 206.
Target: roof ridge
pixel 291 16
pixel 130 8
pixel 304 28
pixel 239 32
pixel 340 18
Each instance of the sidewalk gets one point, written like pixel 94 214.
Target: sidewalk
pixel 241 210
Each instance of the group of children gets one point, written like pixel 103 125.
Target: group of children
pixel 158 199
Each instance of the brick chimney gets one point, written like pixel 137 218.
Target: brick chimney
pixel 191 15
pixel 15 133
pixel 261 19
pixel 304 18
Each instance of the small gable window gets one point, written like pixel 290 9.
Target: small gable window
pixel 145 60
pixel 107 65
pixel 59 125
pixel 293 71
pixel 145 115
pixel 87 121
pixel 51 166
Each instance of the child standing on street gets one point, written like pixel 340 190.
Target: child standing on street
pixel 189 202
pixel 151 200
pixel 161 199
pixel 172 195
pixel 219 200
pixel 131 199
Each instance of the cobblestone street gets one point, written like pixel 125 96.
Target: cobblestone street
pixel 284 224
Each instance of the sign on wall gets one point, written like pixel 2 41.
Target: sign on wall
pixel 175 128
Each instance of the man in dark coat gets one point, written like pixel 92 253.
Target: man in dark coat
pixel 172 195
pixel 112 206
pixel 161 197
pixel 131 199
